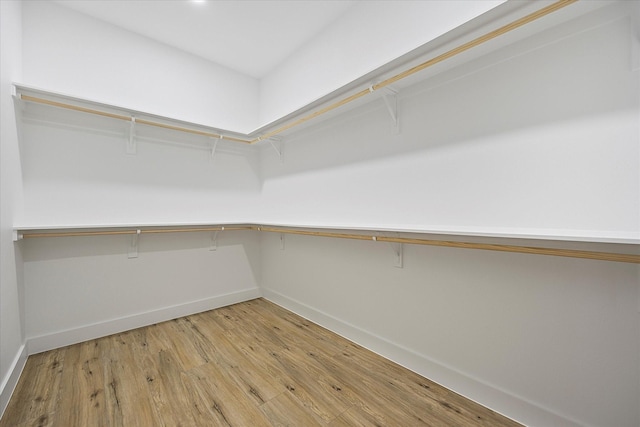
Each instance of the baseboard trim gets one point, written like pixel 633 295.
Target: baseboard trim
pixel 501 401
pixel 11 379
pixel 59 339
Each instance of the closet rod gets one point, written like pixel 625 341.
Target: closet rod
pixel 571 253
pixel 129 118
pixel 134 231
pixel 192 230
pixel 478 41
pixel 440 58
pixel 449 54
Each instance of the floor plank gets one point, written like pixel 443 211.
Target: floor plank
pixel 81 399
pixel 249 364
pixel 34 400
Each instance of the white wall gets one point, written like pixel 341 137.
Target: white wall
pixel 11 316
pixel 79 288
pixel 544 340
pixel 76 172
pixel 368 36
pixel 76 175
pixel 71 53
pixel 539 138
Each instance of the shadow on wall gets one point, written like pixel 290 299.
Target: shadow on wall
pixel 48 249
pixel 569 74
pixel 61 145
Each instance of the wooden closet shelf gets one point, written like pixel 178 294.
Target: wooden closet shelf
pixel 354 234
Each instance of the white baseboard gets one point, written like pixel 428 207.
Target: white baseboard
pixel 11 379
pixel 492 397
pixel 88 332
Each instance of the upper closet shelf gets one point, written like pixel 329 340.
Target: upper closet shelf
pixel 606 249
pixel 27 94
pixel 396 73
pixel 578 236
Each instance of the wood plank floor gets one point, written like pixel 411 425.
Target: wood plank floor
pixel 250 364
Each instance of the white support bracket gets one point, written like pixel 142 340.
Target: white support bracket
pixel 390 97
pixel 282 241
pixel 133 249
pixel 214 146
pixel 131 142
pixel 398 251
pixel 278 145
pixel 214 240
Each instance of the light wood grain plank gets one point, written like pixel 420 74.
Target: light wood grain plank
pixel 173 402
pixel 34 399
pixel 357 417
pixel 418 389
pixel 316 390
pixel 172 336
pixel 226 402
pixel 248 364
pixel 304 334
pixel 249 376
pixel 127 402
pixel 81 398
pixel 286 411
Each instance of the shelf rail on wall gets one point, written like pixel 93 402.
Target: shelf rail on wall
pixel 532 250
pixel 411 71
pixel 130 118
pixel 28 235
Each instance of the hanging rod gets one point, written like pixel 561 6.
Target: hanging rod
pixel 449 54
pixel 440 58
pixel 571 253
pixel 133 231
pixel 129 118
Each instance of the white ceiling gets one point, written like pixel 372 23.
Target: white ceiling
pixel 248 36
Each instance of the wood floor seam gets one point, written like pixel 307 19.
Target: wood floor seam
pixel 249 364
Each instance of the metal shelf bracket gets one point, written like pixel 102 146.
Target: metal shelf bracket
pixel 214 240
pixel 278 145
pixel 214 146
pixel 131 142
pixel 133 248
pixel 390 97
pixel 398 251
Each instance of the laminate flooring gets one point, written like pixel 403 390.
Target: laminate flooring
pixel 250 364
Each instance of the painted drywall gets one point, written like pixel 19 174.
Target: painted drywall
pixel 366 37
pixel 76 171
pixel 480 148
pixel 544 340
pixel 541 137
pixel 80 288
pixel 80 173
pixel 71 53
pixel 11 315
pixel 538 138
